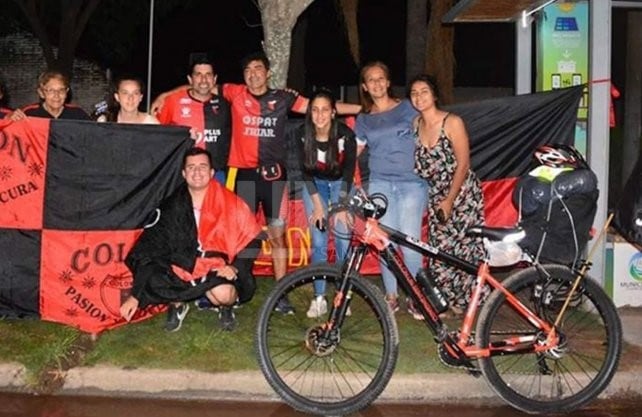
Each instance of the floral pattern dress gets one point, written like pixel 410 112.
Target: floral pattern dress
pixel 437 164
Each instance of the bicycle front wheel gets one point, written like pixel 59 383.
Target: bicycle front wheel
pixel 327 373
pixel 578 369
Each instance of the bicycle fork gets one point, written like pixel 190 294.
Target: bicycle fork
pixel 341 300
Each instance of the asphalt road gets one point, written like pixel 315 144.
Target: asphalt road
pixel 18 405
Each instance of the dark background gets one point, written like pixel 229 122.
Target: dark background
pixel 228 30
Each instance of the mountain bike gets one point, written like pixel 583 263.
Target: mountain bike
pixel 546 339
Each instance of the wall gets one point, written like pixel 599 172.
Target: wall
pixel 22 60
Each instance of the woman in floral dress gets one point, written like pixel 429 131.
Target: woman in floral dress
pixel 456 202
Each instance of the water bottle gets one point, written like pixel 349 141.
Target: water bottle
pixel 431 290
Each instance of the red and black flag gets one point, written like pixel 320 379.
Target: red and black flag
pixel 73 197
pixel 504 133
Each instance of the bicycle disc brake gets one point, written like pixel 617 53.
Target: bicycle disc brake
pixel 321 342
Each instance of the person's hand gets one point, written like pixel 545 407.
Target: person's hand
pixel 228 272
pixel 128 308
pixel 317 215
pixel 446 207
pixel 17 115
pixel 157 104
pixel 193 134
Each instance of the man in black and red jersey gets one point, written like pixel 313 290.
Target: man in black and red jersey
pixel 207 114
pixel 258 148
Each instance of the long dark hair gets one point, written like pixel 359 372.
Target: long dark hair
pixel 310 136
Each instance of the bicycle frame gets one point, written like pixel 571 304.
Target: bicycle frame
pixel 381 238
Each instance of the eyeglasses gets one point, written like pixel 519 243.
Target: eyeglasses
pixel 55 91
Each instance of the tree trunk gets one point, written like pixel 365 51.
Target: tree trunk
pixel 279 18
pixel 296 71
pixel 30 10
pixel 440 59
pixel 349 9
pixel 74 17
pixel 633 94
pixel 416 30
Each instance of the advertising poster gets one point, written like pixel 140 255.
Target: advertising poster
pixel 562 48
pixel 627 275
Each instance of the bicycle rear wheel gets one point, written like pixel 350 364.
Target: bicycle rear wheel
pixel 564 378
pixel 335 374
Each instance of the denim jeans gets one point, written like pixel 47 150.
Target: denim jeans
pixel 407 201
pixel 329 192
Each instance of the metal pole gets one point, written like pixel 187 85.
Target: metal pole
pixel 150 48
pixel 598 123
pixel 523 57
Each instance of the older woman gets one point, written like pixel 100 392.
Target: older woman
pixel 385 127
pixel 53 88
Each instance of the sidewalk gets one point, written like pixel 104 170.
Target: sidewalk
pixel 251 385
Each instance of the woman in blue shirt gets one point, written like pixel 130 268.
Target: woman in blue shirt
pixel 385 127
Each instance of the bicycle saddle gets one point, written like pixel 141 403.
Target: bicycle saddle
pixel 502 234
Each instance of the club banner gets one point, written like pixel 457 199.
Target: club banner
pixel 74 195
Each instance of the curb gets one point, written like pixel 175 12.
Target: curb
pixel 252 386
pixel 13 375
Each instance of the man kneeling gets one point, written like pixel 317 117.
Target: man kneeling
pixel 202 242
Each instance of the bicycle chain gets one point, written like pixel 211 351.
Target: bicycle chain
pixel 456 363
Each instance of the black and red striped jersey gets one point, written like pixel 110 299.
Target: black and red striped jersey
pixel 258 125
pixel 210 118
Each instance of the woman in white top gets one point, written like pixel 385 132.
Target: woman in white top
pixel 128 94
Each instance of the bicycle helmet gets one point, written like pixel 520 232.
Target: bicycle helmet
pixel 555 156
pixel 580 161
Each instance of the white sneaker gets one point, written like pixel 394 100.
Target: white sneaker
pixel 318 307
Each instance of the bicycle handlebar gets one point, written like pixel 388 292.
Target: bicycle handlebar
pixel 364 205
